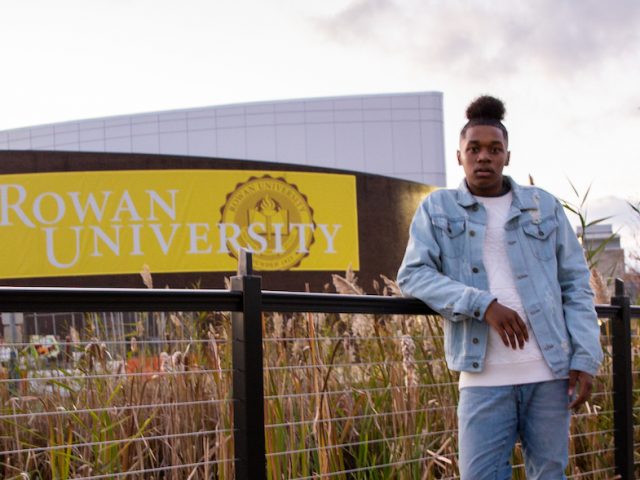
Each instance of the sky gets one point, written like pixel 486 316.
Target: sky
pixel 568 70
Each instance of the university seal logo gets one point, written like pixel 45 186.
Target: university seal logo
pixel 272 219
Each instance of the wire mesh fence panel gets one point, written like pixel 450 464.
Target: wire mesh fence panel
pixel 591 443
pixel 592 453
pixel 368 397
pixel 358 397
pixel 117 395
pixel 149 395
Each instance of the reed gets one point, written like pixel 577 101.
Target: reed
pixel 358 397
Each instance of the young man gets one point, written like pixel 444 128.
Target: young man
pixel 501 263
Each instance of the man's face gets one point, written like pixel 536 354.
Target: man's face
pixel 483 154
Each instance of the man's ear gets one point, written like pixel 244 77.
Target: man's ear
pixel 508 158
pixel 458 155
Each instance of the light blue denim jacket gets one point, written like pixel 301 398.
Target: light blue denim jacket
pixel 443 267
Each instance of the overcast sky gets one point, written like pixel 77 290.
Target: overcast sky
pixel 568 70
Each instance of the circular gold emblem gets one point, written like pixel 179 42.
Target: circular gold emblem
pixel 270 218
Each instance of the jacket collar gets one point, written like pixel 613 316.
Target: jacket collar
pixel 524 198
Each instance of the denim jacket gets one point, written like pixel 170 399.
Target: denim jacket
pixel 443 267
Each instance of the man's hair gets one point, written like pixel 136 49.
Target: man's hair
pixel 485 110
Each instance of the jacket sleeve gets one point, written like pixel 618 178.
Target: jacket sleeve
pixel 577 298
pixel 421 275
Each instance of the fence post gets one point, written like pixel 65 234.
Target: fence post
pixel 622 384
pixel 248 390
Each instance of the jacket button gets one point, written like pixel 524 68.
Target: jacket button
pixel 475 340
pixel 472 233
pixel 475 207
pixel 475 365
pixel 476 313
pixel 475 270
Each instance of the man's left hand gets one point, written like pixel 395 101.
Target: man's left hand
pixel 585 385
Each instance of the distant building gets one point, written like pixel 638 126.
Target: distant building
pixel 605 246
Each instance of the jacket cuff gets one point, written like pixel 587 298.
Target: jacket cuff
pixel 584 364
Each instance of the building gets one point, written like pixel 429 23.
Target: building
pixel 329 184
pixel 603 250
pixel 396 135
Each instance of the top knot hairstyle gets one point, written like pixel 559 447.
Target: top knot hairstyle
pixel 485 110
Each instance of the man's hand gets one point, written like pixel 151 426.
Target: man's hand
pixel 585 385
pixel 508 324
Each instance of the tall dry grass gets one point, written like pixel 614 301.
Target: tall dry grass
pixel 347 397
pixel 382 386
pixel 102 415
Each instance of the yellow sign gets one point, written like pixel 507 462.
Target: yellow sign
pixel 114 222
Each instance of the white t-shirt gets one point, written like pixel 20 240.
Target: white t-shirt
pixel 504 365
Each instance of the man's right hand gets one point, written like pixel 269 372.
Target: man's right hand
pixel 508 324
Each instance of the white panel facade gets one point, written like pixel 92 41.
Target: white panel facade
pixel 398 135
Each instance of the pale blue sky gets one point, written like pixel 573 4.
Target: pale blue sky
pixel 568 70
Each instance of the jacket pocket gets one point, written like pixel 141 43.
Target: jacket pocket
pixel 449 234
pixel 541 237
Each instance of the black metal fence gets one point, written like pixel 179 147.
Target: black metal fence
pixel 247 302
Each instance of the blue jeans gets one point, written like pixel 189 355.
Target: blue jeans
pixel 490 419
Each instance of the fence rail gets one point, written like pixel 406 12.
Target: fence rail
pixel 247 302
